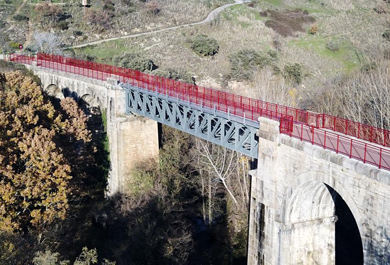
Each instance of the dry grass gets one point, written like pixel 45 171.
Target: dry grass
pixel 345 5
pixel 172 12
pixel 241 27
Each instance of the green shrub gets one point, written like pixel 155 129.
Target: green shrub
pixel 245 62
pixel 135 61
pixel 63 25
pixel 293 72
pixel 204 45
pixel 31 48
pixel 175 74
pixel 19 17
pixel 14 45
pixel 77 33
pixel 333 46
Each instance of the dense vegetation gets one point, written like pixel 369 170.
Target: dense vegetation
pixel 52 177
pixel 52 174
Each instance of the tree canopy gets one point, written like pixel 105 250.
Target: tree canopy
pixel 38 147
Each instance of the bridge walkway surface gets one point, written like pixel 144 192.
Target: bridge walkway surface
pixel 355 140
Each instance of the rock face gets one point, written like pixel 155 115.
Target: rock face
pixel 313 206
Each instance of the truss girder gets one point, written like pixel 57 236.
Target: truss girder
pixel 210 125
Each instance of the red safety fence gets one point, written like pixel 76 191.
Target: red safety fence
pixel 24 59
pixel 304 125
pixel 353 148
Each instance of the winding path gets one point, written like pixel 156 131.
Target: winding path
pixel 211 16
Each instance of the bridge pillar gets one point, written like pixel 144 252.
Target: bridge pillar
pixel 133 140
pixel 136 142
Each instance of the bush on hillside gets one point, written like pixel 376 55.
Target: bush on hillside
pixel 293 72
pixel 19 17
pixel 135 61
pixel 204 45
pixel 175 74
pixel 332 46
pixel 245 62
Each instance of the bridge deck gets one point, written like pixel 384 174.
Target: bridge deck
pixel 355 140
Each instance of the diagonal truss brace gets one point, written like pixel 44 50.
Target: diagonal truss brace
pixel 208 124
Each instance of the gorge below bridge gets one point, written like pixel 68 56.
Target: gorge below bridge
pixel 320 193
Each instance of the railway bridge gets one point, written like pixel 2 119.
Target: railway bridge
pixel 320 193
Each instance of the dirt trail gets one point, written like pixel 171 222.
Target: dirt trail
pixel 20 7
pixel 211 16
pixel 17 11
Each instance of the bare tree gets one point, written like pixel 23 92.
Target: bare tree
pixel 218 165
pixel 47 42
pixel 363 96
pixel 272 87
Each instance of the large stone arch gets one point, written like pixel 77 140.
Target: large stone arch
pixel 309 234
pixel 318 176
pixel 321 227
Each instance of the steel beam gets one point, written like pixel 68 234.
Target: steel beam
pixel 211 125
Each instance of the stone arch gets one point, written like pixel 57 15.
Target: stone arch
pixel 302 205
pixel 317 176
pixel 54 91
pixel 321 225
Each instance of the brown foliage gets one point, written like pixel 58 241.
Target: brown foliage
pixel 152 7
pixel 34 169
pixel 99 19
pixel 287 22
pixel 48 13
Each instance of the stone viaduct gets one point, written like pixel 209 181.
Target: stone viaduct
pixel 308 205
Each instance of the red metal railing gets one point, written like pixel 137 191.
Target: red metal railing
pixel 346 145
pixel 25 59
pixel 304 125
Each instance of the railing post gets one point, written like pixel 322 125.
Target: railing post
pixel 338 142
pixel 312 134
pixel 365 153
pixel 358 135
pixel 301 132
pixel 380 157
pixel 371 133
pixel 324 139
pixel 350 150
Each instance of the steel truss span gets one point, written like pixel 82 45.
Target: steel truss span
pixel 205 123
